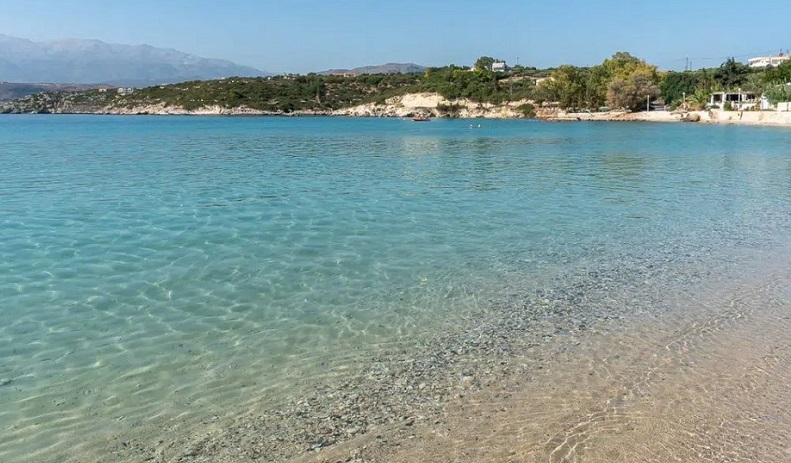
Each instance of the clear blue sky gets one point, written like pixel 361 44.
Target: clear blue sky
pixel 313 35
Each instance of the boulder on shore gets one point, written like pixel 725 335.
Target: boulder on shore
pixel 690 117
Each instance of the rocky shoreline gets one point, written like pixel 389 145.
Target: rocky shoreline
pixel 424 104
pixel 435 106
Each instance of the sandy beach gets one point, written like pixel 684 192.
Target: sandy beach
pixel 767 118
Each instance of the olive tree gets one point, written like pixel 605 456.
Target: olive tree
pixel 632 91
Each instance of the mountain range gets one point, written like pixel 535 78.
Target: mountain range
pixel 93 62
pixel 389 68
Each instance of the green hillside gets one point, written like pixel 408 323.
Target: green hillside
pixel 290 93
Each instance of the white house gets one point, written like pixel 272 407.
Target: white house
pixel 499 66
pixel 739 101
pixel 766 61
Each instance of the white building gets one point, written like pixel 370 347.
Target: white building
pixel 739 101
pixel 766 61
pixel 499 66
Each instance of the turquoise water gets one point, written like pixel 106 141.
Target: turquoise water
pixel 167 268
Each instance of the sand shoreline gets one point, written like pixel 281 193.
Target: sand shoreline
pixel 764 118
pixel 540 382
pixel 715 117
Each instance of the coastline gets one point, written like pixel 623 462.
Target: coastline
pixel 431 105
pixel 714 116
pixel 409 105
pixel 427 104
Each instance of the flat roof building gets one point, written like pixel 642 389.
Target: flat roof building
pixel 766 61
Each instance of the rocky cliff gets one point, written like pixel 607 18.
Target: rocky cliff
pixel 434 105
pixel 408 105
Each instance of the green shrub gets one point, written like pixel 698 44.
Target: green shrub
pixel 527 110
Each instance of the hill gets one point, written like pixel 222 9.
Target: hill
pixel 293 94
pixel 389 68
pixel 11 90
pixel 94 62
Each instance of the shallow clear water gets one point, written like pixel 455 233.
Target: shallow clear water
pixel 160 267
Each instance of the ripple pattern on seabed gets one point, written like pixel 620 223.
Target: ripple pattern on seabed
pixel 163 270
pixel 708 384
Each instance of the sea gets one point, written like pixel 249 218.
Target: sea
pixel 158 273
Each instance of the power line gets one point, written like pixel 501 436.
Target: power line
pixel 689 60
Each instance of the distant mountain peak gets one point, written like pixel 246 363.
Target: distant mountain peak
pixel 92 61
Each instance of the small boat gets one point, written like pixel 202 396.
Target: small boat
pixel 421 119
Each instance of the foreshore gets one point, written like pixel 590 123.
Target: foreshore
pixel 543 382
pixel 714 116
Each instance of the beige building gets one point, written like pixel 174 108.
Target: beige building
pixel 766 61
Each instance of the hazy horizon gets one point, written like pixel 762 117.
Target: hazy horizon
pixel 312 36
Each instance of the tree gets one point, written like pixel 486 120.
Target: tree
pixel 756 83
pixel 627 80
pixel 780 74
pixel 731 74
pixel 631 92
pixel 779 93
pixel 699 99
pixel 622 64
pixel 567 86
pixel 596 87
pixel 676 84
pixel 484 63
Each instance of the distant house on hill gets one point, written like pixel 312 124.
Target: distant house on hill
pixel 766 61
pixel 499 66
pixel 344 74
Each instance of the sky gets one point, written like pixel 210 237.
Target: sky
pixel 301 36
